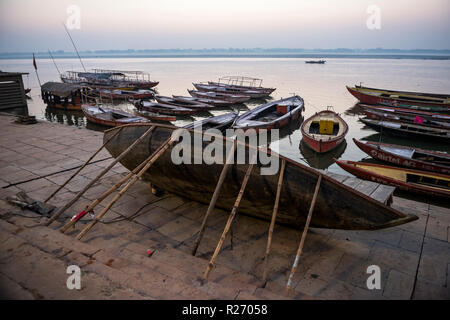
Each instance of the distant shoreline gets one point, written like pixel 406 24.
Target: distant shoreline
pixel 13 56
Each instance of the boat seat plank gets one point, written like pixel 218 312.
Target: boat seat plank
pixel 352 182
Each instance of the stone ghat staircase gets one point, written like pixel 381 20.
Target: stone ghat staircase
pixel 34 260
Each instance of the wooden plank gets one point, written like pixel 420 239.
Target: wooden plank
pixel 367 187
pixel 352 182
pixel 383 193
pixel 338 177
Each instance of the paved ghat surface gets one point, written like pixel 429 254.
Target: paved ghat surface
pixel 414 259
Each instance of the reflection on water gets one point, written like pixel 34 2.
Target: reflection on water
pixel 427 143
pixel 321 160
pixel 319 87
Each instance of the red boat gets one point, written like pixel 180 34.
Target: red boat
pixel 410 180
pixel 415 158
pixel 324 131
pixel 421 101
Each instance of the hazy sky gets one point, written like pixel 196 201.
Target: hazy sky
pixel 36 25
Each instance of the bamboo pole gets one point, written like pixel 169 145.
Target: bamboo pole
pixel 84 165
pixel 154 157
pixel 305 231
pixel 79 194
pixel 214 198
pixel 272 222
pixel 74 220
pixel 230 220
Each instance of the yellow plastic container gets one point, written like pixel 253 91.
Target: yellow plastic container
pixel 326 126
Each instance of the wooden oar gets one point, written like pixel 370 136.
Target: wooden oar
pixel 75 219
pixel 272 222
pixel 169 142
pixel 215 196
pixel 79 194
pixel 305 231
pixel 84 165
pixel 230 219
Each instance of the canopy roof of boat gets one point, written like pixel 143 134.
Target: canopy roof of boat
pixel 60 89
pixel 241 81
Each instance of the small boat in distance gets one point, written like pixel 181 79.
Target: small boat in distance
pixel 414 158
pixel 109 117
pixel 409 180
pixel 213 102
pixel 162 108
pixel 195 105
pixel 422 101
pixel 324 131
pixel 315 61
pixel 275 114
pixel 234 98
pixel 407 130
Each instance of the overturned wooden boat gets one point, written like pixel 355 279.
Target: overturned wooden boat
pixel 243 83
pixel 127 94
pixel 410 180
pixel 195 105
pixel 414 158
pixel 275 114
pixel 212 102
pixel 407 115
pixel 405 129
pixel 162 108
pixel 337 206
pixel 324 131
pixel 431 101
pixel 220 122
pixel 234 98
pixel 110 117
pixel 207 87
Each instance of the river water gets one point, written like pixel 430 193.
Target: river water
pixel 319 85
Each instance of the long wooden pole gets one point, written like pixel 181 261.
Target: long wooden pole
pixel 305 231
pixel 84 165
pixel 79 194
pixel 272 222
pixel 75 219
pixel 214 198
pixel 154 157
pixel 230 220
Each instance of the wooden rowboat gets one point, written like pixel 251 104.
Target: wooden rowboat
pixel 414 158
pixel 206 87
pixel 234 98
pixel 162 108
pixel 337 206
pixel 407 115
pixel 126 94
pixel 404 129
pixel 275 114
pixel 324 131
pixel 109 117
pixel 212 102
pixel 155 116
pixel 436 102
pixel 221 122
pixel 410 180
pixel 194 105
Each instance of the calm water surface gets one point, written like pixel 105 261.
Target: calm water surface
pixel 319 85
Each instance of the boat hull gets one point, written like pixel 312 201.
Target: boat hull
pixel 395 102
pixel 372 149
pixel 337 206
pixel 350 167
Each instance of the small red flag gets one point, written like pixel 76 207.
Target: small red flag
pixel 34 62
